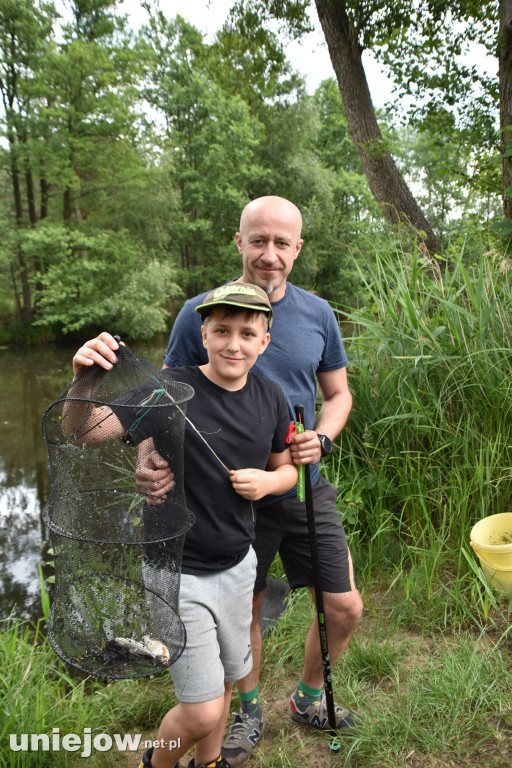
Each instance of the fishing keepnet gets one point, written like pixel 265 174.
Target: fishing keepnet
pixel 117 550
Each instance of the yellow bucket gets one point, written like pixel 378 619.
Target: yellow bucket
pixel 491 538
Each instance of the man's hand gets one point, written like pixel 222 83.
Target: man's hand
pixel 305 448
pixel 154 477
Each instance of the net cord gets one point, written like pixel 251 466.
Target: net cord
pixel 189 422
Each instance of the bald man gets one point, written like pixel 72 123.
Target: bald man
pixel 306 349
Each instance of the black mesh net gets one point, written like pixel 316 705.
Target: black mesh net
pixel 117 551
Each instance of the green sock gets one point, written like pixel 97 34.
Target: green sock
pixel 305 696
pixel 250 703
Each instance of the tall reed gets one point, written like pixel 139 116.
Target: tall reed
pixel 428 449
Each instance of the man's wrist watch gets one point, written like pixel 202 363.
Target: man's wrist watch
pixel 325 444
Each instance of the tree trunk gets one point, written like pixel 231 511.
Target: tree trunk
pixel 31 198
pixel 25 309
pixel 66 205
pixel 44 189
pixel 505 91
pixel 384 179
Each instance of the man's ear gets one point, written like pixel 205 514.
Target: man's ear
pixel 238 238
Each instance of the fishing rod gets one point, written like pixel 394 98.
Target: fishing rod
pixel 306 494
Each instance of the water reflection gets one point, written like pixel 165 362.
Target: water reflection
pixel 30 380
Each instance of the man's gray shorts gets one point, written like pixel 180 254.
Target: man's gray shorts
pixel 216 609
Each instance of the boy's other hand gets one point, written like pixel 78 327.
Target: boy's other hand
pixel 249 483
pixel 100 350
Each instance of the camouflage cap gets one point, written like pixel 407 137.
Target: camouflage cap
pixel 243 295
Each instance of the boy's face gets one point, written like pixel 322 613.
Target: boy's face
pixel 233 345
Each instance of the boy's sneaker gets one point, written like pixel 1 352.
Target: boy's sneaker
pixel 219 763
pixel 146 759
pixel 243 736
pixel 316 715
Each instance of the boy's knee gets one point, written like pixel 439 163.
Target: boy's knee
pixel 202 718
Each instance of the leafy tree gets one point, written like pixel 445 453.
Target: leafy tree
pixel 208 146
pixel 77 287
pixel 238 124
pixel 422 42
pixel 23 45
pixel 71 118
pixel 342 35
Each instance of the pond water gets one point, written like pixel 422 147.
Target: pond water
pixel 30 380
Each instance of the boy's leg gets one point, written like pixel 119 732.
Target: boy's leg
pixel 198 675
pixel 217 651
pixel 190 723
pixel 209 747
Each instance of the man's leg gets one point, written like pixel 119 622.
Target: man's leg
pixel 249 725
pixel 342 613
pixel 250 681
pixel 308 704
pixel 342 602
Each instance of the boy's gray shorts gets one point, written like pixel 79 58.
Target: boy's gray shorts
pixel 216 609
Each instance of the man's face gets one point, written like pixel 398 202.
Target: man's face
pixel 269 241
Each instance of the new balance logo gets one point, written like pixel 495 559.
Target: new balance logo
pixel 318 722
pixel 254 737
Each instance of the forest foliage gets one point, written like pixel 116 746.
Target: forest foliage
pixel 126 158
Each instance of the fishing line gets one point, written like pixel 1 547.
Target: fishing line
pixel 189 422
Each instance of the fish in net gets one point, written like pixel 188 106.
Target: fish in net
pixel 117 550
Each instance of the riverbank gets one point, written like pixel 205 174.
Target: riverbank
pixel 431 699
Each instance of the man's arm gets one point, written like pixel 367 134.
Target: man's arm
pixel 332 417
pixel 185 341
pixel 153 475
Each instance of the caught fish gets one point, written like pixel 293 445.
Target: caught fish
pixel 155 647
pixel 149 648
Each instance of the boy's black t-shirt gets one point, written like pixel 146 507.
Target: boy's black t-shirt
pixel 243 428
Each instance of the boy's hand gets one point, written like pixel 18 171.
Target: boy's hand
pixel 249 483
pixel 305 448
pixel 99 350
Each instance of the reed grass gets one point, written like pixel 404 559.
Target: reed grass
pixel 428 449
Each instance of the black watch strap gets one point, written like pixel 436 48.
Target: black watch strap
pixel 325 444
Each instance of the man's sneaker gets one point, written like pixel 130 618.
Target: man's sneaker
pixel 146 759
pixel 316 715
pixel 243 736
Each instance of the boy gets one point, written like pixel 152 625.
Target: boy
pixel 244 418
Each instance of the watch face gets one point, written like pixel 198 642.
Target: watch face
pixel 326 444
